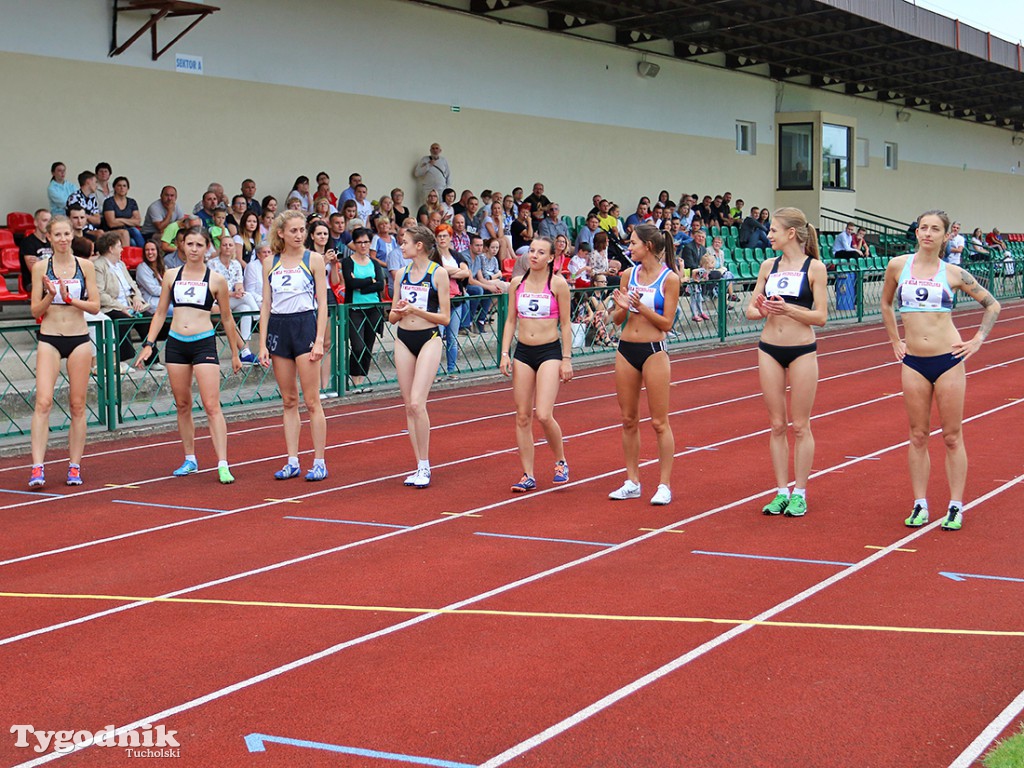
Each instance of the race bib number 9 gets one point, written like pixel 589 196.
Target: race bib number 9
pixel 921 294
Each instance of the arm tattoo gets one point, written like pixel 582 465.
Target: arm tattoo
pixel 966 279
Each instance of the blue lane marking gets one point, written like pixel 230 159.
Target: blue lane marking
pixel 346 522
pixel 30 493
pixel 168 506
pixel 255 742
pixel 963 576
pixel 541 538
pixel 769 557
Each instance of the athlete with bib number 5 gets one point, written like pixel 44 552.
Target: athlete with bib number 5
pixel 792 295
pixel 932 353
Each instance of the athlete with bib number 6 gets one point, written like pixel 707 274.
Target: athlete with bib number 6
pixel 791 293
pixel 922 286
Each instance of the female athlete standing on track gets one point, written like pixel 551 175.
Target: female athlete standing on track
pixel 293 319
pixel 420 305
pixel 63 291
pixel 922 286
pixel 646 302
pixel 542 359
pixel 792 293
pixel 191 348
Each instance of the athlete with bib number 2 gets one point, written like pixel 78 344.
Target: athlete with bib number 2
pixel 539 310
pixel 932 353
pixel 792 295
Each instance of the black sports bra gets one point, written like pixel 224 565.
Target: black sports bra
pixel 192 293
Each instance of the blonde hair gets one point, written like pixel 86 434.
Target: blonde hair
pixel 806 235
pixel 276 241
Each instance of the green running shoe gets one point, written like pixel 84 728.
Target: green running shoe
pixel 954 519
pixel 917 518
pixel 777 505
pixel 225 475
pixel 797 506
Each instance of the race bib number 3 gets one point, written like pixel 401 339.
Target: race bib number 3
pixel 784 284
pixel 416 295
pixel 534 305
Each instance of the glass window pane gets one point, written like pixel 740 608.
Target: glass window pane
pixel 796 156
pixel 835 156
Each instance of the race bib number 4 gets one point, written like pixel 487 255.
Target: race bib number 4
pixel 190 292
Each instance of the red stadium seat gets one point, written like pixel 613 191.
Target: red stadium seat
pixel 7 239
pixel 131 256
pixel 11 262
pixel 507 266
pixel 20 223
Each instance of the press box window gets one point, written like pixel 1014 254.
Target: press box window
pixel 891 156
pixel 746 139
pixel 835 157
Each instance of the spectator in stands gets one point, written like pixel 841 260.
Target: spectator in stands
pixel 487 273
pixel 693 251
pixel 150 275
pixel 486 225
pixel 717 269
pixel 538 204
pixel 508 212
pixel 104 188
pixel 120 297
pixel 431 204
pixel 646 308
pixel 562 255
pixel 318 241
pixel 462 204
pixel 207 207
pixel 80 226
pixel 473 215
pixel 121 214
pixel 248 236
pixel 171 242
pixel 364 208
pixel 192 349
pixel 364 281
pixel 64 290
pixel 977 250
pixel 860 242
pixel 383 243
pixel 349 193
pixel 933 353
pixel 396 263
pixel 725 210
pixel 588 231
pixel 460 237
pixel 457 266
pixel 641 216
pixel 401 211
pixel 704 209
pixel 295 204
pixel 791 294
pixel 248 190
pixel 616 232
pixel 517 198
pixel 696 280
pixel 252 275
pixel 842 246
pixel 35 247
pixel 162 212
pixel 227 264
pixel 300 192
pixel 322 209
pixel 433 172
pixel 580 269
pixel 85 196
pixel 266 222
pixel 218 227
pixel 522 230
pixel 765 220
pixel 268 205
pixel 386 210
pixel 595 313
pixel 447 205
pixel 685 216
pixel 994 240
pixel 59 189
pixel 752 235
pixel 737 212
pixel 478 307
pixel 234 217
pixel 955 245
pixel 658 216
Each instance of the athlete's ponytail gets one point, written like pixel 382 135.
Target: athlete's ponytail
pixel 805 233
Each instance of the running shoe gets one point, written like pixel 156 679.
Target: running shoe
pixel 526 484
pixel 777 505
pixel 662 496
pixel 38 478
pixel 954 519
pixel 917 518
pixel 287 472
pixel 247 357
pixel 411 479
pixel 797 506
pixel 225 475
pixel 629 490
pixel 561 473
pixel 421 479
pixel 74 476
pixel 187 468
pixel 318 472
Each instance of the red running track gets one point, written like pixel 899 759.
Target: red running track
pixel 469 627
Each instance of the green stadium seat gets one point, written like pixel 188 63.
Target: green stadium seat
pixel 734 232
pixel 714 230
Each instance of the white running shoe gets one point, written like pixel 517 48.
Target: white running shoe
pixel 411 479
pixel 662 496
pixel 422 478
pixel 629 490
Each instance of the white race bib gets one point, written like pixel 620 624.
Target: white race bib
pixel 921 294
pixel 416 295
pixel 74 286
pixel 190 292
pixel 646 293
pixel 533 305
pixel 289 280
pixel 784 284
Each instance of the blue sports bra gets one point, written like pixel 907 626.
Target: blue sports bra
pixel 923 294
pixel 652 295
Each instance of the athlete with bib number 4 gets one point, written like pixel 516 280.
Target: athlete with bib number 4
pixel 792 295
pixel 932 353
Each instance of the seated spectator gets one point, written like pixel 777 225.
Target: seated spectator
pixel 587 232
pixel 218 227
pixel 752 234
pixel 658 216
pixel 34 247
pixel 737 212
pixel 104 187
pixel 364 208
pixel 59 189
pixel 238 207
pixel 955 245
pixel 616 234
pixel 150 275
pixel 522 230
pixel 252 275
pixel 704 209
pixel 765 220
pixel 860 242
pixel 396 261
pixel 120 297
pixel 385 209
pixel 605 220
pixel 171 242
pixel 978 251
pixel 685 216
pixel 295 204
pixel 322 210
pixel 85 196
pixel 248 190
pixel 552 225
pixel 432 204
pixel 162 212
pixel 207 206
pixel 579 267
pixel 121 215
pixel 230 267
pixel 447 205
pixel 594 311
pixel 323 189
pixel 725 218
pixel 460 237
pixel 80 226
pixel 538 204
pixel 474 215
pixel 842 246
pixel 601 263
pixel 641 216
pixel 562 256
pixel 994 240
pixel 349 193
pixel 300 192
pixel 715 264
pixel 693 251
pixel 401 211
pixel 487 270
pixel 268 205
pixel 248 236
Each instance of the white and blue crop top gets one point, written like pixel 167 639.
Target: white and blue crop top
pixel 292 290
pixel 652 295
pixel 923 294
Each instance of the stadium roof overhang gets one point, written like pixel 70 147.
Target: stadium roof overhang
pixel 888 50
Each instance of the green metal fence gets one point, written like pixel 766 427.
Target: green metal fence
pixel 363 341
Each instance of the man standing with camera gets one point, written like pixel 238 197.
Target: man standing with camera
pixel 433 172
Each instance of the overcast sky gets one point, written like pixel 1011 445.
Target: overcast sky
pixel 1003 18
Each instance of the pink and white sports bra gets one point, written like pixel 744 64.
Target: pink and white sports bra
pixel 536 306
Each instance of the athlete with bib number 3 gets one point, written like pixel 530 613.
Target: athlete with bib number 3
pixel 932 353
pixel 791 293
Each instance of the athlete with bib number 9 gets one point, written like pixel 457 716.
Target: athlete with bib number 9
pixel 792 294
pixel 922 286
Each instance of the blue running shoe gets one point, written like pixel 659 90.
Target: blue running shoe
pixel 524 485
pixel 318 472
pixel 287 472
pixel 561 473
pixel 38 478
pixel 187 468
